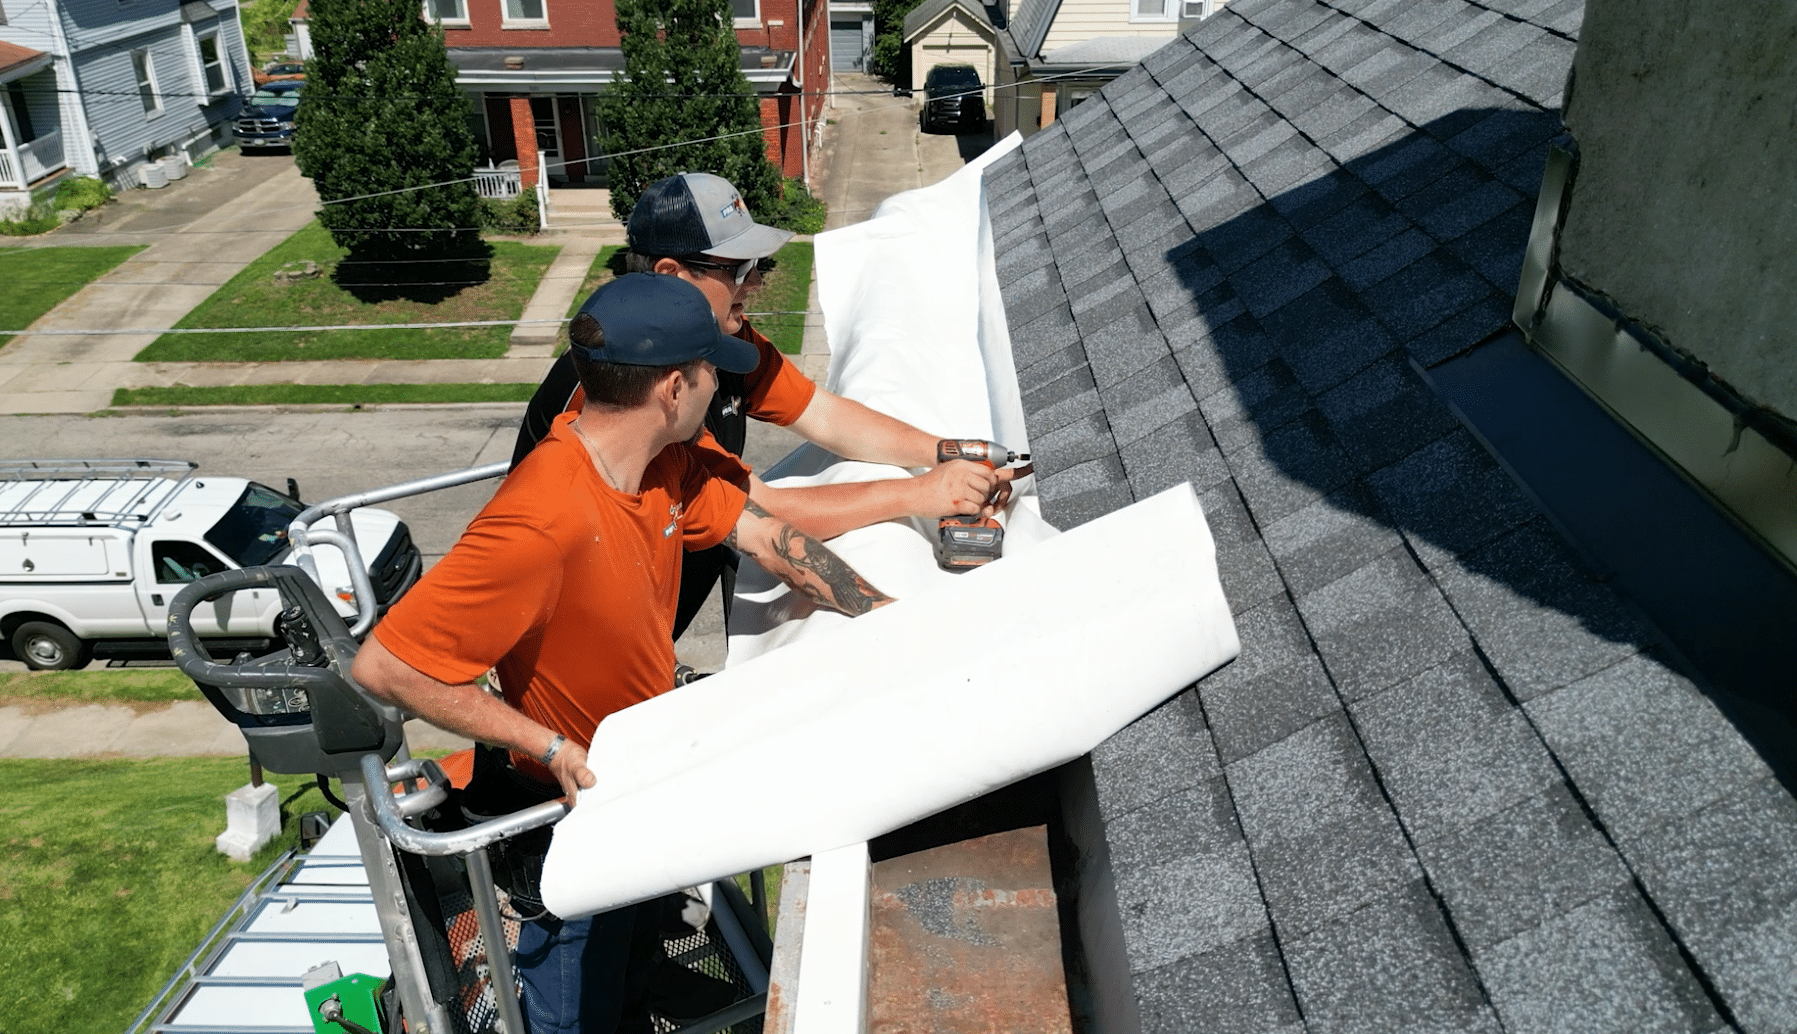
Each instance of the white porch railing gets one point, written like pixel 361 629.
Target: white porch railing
pixel 542 193
pixel 9 171
pixel 42 156
pixel 498 181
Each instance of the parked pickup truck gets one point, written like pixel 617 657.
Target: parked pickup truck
pixel 91 551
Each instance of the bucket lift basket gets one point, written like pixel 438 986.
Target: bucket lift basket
pixel 433 890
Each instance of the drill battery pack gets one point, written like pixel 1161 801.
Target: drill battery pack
pixel 964 543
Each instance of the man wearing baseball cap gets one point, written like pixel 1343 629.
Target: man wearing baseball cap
pixel 696 227
pixel 565 585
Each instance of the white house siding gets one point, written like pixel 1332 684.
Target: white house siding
pixel 1080 20
pixel 956 39
pixel 105 129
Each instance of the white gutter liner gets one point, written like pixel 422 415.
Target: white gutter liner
pixel 968 683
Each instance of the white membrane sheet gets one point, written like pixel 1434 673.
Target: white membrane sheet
pixel 847 729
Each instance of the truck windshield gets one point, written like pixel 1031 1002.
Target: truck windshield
pixel 254 530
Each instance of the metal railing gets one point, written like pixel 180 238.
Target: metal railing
pixel 542 193
pixel 302 535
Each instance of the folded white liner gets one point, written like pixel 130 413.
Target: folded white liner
pixel 872 724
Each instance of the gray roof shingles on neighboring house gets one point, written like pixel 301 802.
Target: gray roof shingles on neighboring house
pixel 1451 783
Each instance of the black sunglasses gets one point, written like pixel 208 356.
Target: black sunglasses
pixel 739 270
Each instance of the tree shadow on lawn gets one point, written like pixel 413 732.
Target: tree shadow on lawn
pixel 427 278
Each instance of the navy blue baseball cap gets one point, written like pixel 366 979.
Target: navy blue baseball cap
pixel 652 319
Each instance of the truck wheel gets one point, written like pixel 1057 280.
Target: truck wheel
pixel 47 646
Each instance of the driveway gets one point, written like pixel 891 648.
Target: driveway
pixel 872 148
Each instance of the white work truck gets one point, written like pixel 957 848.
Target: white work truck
pixel 91 551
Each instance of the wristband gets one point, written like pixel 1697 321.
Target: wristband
pixel 554 748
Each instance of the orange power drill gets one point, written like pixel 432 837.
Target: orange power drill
pixel 966 542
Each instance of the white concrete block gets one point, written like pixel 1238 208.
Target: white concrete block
pixel 252 818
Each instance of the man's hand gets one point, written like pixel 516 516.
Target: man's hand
pixel 802 562
pixel 570 769
pixel 964 487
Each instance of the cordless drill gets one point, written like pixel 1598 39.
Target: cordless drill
pixel 966 542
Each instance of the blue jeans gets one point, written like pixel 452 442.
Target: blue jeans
pixel 572 972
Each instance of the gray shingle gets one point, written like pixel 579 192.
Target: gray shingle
pixel 1184 882
pixel 1244 236
pixel 1330 538
pixel 1388 258
pixel 1181 451
pixel 1538 615
pixel 1123 345
pixel 1322 838
pixel 1381 625
pixel 1366 222
pixel 1504 134
pixel 1538 70
pixel 1723 879
pixel 1495 250
pixel 1085 438
pixel 1319 197
pixel 1272 690
pixel 1404 165
pixel 1078 494
pixel 1450 749
pixel 1521 867
pixel 1327 335
pixel 1383 413
pixel 1292 162
pixel 1269 282
pixel 1239 988
pixel 1161 753
pixel 1468 21
pixel 1457 203
pixel 1147 401
pixel 1283 469
pixel 1606 967
pixel 1259 401
pixel 1494 47
pixel 1059 401
pixel 1333 112
pixel 1643 746
pixel 1041 337
pixel 1243 565
pixel 1481 320
pixel 1390 966
pixel 1452 494
pixel 1366 134
pixel 1032 293
pixel 1209 352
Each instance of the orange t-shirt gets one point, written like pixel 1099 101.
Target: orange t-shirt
pixel 778 394
pixel 565 585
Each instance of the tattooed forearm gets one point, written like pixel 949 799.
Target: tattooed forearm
pixel 810 567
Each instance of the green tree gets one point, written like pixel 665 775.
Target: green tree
pixel 265 24
pixel 381 115
pixel 683 81
pixel 888 59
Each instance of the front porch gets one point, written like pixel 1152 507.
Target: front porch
pixel 31 139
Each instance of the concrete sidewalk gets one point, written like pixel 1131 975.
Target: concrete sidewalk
pixel 184 728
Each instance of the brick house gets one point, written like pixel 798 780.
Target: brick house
pixel 533 69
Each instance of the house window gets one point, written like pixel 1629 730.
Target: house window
pixel 524 11
pixel 213 65
pixel 1197 9
pixel 1151 10
pixel 146 80
pixel 446 10
pixel 746 12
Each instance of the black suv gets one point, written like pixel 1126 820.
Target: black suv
pixel 267 117
pixel 953 97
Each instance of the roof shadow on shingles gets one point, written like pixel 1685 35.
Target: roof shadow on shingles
pixel 1450 775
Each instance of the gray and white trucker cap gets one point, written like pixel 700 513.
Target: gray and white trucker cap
pixel 698 213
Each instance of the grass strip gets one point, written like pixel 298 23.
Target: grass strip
pixel 109 878
pixel 321 394
pixel 104 685
pixel 42 277
pixel 494 284
pixel 785 294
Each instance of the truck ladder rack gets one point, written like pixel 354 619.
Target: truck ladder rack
pixel 40 492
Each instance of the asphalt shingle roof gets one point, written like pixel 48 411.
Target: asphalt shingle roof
pixel 1452 782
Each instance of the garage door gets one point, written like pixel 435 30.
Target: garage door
pixel 848 51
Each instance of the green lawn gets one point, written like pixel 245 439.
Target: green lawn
pixel 435 292
pixel 108 880
pixel 39 279
pixel 104 685
pixel 321 394
pixel 785 293
pixel 784 297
